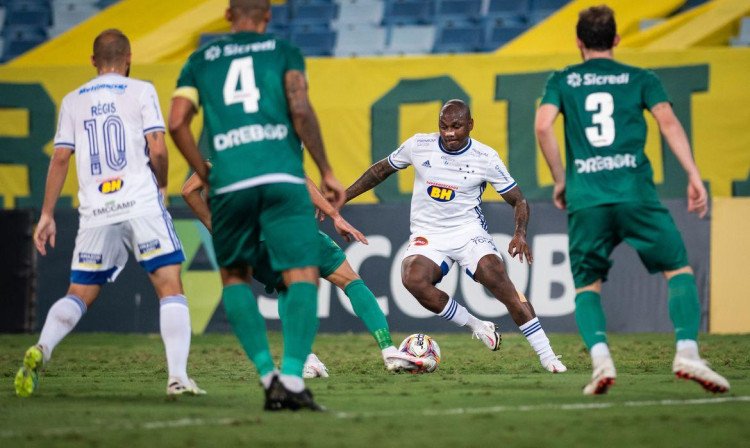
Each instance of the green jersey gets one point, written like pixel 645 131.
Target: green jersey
pixel 602 102
pixel 239 82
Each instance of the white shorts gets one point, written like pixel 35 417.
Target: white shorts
pixel 466 248
pixel 102 251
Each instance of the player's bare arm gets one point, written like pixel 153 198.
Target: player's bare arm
pixel 343 228
pixel 306 125
pixel 157 154
pixel 518 245
pixel 192 192
pixel 46 229
pixel 180 116
pixel 545 134
pixel 374 175
pixel 677 139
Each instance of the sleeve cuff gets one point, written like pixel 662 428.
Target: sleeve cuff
pixel 189 93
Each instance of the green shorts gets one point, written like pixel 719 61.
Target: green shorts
pixel 282 212
pixel 331 257
pixel 647 227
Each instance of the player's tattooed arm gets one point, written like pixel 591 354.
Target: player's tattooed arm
pixel 307 127
pixel 518 245
pixel 374 175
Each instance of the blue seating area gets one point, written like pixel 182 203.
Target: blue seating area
pixel 24 24
pixel 340 27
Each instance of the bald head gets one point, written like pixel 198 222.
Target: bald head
pixel 456 108
pixel 254 10
pixel 111 49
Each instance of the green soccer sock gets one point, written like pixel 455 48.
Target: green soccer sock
pixel 299 324
pixel 590 318
pixel 684 306
pixel 367 309
pixel 248 325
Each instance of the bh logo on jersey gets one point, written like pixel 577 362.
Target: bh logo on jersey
pixel 441 194
pixel 111 186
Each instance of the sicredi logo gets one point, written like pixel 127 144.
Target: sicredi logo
pixel 440 194
pixel 111 186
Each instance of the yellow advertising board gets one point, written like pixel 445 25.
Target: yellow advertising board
pixel 367 106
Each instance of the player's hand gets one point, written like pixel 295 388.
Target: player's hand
pixel 558 196
pixel 333 190
pixel 45 231
pixel 163 193
pixel 697 196
pixel 347 231
pixel 519 246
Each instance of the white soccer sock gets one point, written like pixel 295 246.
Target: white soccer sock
pixel 61 319
pixel 600 350
pixel 266 379
pixel 538 339
pixel 292 383
pixel 174 322
pixel 688 348
pixel 456 313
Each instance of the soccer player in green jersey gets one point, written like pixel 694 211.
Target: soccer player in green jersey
pixel 333 267
pixel 256 114
pixel 608 190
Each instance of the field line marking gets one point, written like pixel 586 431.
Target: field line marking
pixel 192 422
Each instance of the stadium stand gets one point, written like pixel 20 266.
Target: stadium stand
pixel 343 28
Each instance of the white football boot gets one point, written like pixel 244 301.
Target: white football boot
pixel 314 368
pixel 697 369
pixel 554 365
pixel 176 387
pixel 603 377
pixel 403 362
pixel 488 335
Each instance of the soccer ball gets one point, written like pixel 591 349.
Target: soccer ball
pixel 421 346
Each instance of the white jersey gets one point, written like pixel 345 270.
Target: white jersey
pixel 448 185
pixel 105 122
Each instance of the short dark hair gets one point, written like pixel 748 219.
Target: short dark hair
pixel 254 9
pixel 597 28
pixel 111 47
pixel 459 106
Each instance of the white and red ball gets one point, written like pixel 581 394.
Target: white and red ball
pixel 421 346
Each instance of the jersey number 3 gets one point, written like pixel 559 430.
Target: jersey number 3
pixel 239 87
pixel 603 105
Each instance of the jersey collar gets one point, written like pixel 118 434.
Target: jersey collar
pixel 454 153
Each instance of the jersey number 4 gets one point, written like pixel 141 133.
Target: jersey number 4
pixel 603 105
pixel 240 87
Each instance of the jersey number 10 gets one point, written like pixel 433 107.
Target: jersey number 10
pixel 603 105
pixel 114 144
pixel 241 72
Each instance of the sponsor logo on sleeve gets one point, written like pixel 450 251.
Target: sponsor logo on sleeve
pixel 111 186
pixel 149 247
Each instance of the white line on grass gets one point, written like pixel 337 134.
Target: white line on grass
pixel 192 422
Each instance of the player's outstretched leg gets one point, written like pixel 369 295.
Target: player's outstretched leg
pixel 684 311
pixel 61 319
pixel 592 326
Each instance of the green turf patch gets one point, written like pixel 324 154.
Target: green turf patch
pixel 109 390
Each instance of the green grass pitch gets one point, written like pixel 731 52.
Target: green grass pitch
pixel 105 390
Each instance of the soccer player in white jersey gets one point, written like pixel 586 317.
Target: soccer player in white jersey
pixel 114 125
pixel 447 225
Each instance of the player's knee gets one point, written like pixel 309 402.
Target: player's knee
pixel 414 282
